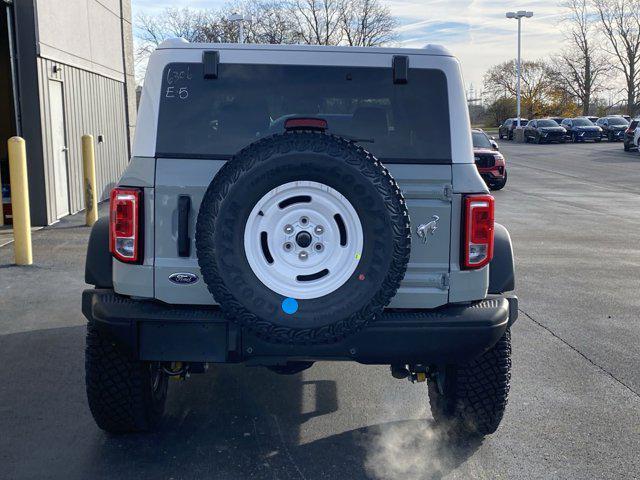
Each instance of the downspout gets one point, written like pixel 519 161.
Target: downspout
pixel 126 83
pixel 13 62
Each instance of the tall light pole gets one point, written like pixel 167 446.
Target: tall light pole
pixel 519 15
pixel 237 17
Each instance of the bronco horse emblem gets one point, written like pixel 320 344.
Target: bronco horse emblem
pixel 427 229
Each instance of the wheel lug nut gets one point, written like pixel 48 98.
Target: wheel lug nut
pixel 303 256
pixel 319 230
pixel 319 247
pixel 304 220
pixel 288 247
pixel 288 229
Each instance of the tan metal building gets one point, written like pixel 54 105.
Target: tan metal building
pixel 66 69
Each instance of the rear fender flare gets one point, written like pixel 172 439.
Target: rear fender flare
pixel 502 268
pixel 99 265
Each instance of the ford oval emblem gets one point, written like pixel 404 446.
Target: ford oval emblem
pixel 183 278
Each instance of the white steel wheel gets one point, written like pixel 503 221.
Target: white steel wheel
pixel 303 240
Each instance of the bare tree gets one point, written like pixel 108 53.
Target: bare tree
pixel 620 24
pixel 318 21
pixel 185 23
pixel 267 21
pixel 367 23
pixel 152 30
pixel 580 68
pixel 537 84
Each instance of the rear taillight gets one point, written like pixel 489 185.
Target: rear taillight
pixel 478 230
pixel 124 230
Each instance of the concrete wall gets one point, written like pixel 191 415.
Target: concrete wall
pixel 86 34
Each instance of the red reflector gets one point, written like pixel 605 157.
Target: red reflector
pixel 124 219
pixel 305 124
pixel 478 230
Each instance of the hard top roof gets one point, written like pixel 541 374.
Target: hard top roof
pixel 180 43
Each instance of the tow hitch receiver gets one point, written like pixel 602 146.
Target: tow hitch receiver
pixel 414 373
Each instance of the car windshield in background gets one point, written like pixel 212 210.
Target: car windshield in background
pixel 618 121
pixel 582 122
pixel 218 117
pixel 480 140
pixel 547 123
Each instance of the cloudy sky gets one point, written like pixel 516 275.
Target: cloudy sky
pixel 475 30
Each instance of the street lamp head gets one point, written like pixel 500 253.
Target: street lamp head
pixel 236 17
pixel 519 14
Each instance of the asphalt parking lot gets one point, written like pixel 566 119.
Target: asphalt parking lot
pixel 574 214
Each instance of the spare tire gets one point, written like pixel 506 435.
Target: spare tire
pixel 303 238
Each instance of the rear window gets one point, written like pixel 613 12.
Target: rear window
pixel 216 118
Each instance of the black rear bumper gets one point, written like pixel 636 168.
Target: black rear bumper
pixel 150 330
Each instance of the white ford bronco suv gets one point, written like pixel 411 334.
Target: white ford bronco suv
pixel 291 204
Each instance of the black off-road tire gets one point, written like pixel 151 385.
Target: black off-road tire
pixel 124 395
pixel 471 399
pixel 303 156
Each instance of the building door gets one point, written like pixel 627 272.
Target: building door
pixel 58 139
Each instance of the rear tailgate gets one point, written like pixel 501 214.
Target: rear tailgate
pixel 426 189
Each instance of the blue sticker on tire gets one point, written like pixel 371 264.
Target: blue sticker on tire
pixel 289 306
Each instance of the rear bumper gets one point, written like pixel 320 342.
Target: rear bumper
pixel 150 330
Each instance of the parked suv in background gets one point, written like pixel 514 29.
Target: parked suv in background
pixel 544 130
pixel 613 127
pixel 506 129
pixel 287 204
pixel 629 135
pixel 581 129
pixel 490 162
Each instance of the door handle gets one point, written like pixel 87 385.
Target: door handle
pixel 64 149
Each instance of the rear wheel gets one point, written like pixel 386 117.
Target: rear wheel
pixel 125 395
pixel 471 399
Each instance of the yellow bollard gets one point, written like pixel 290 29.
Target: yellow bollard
pixel 20 201
pixel 89 169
